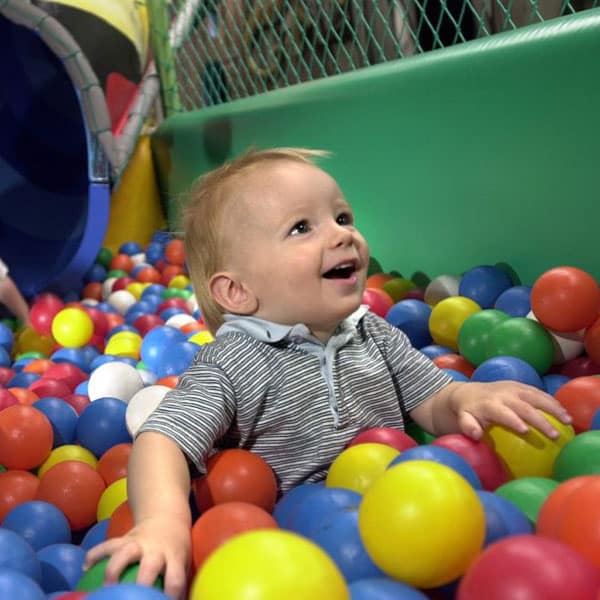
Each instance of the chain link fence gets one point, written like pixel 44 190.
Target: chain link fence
pixel 215 51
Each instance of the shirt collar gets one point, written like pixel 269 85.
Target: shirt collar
pixel 269 332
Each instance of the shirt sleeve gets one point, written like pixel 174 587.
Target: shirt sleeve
pixel 415 375
pixel 197 413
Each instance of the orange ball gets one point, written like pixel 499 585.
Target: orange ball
pixel 24 396
pixel 121 521
pixel 169 272
pixel 148 275
pixel 591 341
pixel 93 291
pixel 114 320
pixel 222 522
pixel 377 280
pixel 26 437
pixel 16 487
pixel 565 299
pixel 456 362
pixel 236 475
pixel 75 488
pixel 38 365
pixel 175 252
pixel 113 463
pixel 581 398
pixel 170 381
pixel 122 262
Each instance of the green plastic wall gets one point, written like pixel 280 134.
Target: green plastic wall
pixel 482 153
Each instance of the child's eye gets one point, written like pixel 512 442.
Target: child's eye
pixel 344 219
pixel 300 227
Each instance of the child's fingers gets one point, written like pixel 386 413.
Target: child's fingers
pixel 175 579
pixel 501 413
pixel 101 551
pixel 469 425
pixel 534 417
pixel 546 403
pixel 151 566
pixel 128 553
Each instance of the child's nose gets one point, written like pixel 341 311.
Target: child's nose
pixel 342 236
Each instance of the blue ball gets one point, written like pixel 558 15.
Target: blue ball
pixel 96 272
pixel 23 379
pixel 507 367
pixel 101 425
pixel 39 523
pixel 154 252
pixel 484 284
pixel 287 505
pixel 178 358
pixel 119 329
pixel 17 586
pixel 21 363
pixel 154 289
pixel 155 343
pixel 95 535
pixel 62 566
pixel 16 553
pixel 127 591
pixel 383 589
pixel 412 317
pixel 595 424
pixel 515 301
pixel 434 350
pixel 456 375
pixel 5 359
pixel 502 517
pixel 105 307
pixel 130 248
pixel 77 356
pixel 317 505
pixel 554 382
pixel 338 534
pixel 171 311
pixel 62 416
pixel 441 456
pixel 7 337
pixel 82 388
pixel 137 309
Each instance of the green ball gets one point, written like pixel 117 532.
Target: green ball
pixel 525 339
pixel 528 493
pixel 104 257
pixel 421 280
pixel 514 276
pixel 116 273
pixel 418 434
pixel 374 267
pixel 31 354
pixel 93 578
pixel 474 334
pixel 397 288
pixel 580 456
pixel 176 293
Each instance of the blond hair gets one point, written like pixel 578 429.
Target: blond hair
pixel 208 199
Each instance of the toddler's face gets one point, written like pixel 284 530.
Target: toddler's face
pixel 297 248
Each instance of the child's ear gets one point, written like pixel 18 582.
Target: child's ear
pixel 232 294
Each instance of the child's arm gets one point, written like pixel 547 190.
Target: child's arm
pixel 14 301
pixel 158 490
pixel 470 407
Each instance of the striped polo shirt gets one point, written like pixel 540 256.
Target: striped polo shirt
pixel 281 393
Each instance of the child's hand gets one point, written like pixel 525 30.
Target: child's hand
pixel 509 403
pixel 159 545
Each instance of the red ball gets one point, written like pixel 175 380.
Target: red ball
pixel 16 487
pixel 385 435
pixel 6 374
pixel 591 341
pixel 172 303
pixel 26 437
pixel 581 398
pixel 236 475
pixel 579 367
pixel 222 522
pixel 529 567
pixel 7 399
pixel 113 463
pixel 456 362
pixel 121 521
pixel 93 291
pixel 565 299
pixel 175 252
pixel 75 488
pixel 416 294
pixel 71 375
pixel 98 319
pixel 42 313
pixel 169 272
pixel 485 462
pixel 121 283
pixel 77 401
pixel 121 262
pixel 147 323
pixel 148 275
pixel 378 301
pixel 46 386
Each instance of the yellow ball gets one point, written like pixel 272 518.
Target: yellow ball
pixel 30 341
pixel 112 497
pixel 447 318
pixel 179 281
pixel 124 343
pixel 67 452
pixel 72 327
pixel 359 466
pixel 422 523
pixel 201 338
pixel 531 454
pixel 398 287
pixel 135 289
pixel 269 564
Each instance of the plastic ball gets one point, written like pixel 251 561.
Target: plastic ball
pixel 434 350
pixel 515 301
pixel 122 300
pixel 484 284
pixel 580 456
pixel 25 437
pixel 442 456
pixel 16 487
pixel 413 514
pixel 156 342
pixel 113 463
pixel 502 518
pixel 175 252
pixel 580 397
pixel 532 567
pixel 447 317
pixel 528 493
pixel 288 505
pixel 102 425
pixel 95 535
pixel 582 366
pixel 115 380
pixel 30 341
pixel 222 522
pixel 502 368
pixel 141 405
pixel 359 466
pixel 440 288
pixel 14 584
pixel 236 475
pixel 72 327
pixel 554 381
pixel 93 579
pixel 39 523
pixel 121 521
pixel 384 435
pixel 456 362
pixel 67 452
pixel 383 589
pixel 62 417
pixel 567 345
pixel 124 343
pixel 397 288
pixel 270 564
pixel 17 554
pixel 178 358
pixel 7 399
pixel 475 332
pixel 75 488
pixel 42 314
pixel 62 566
pixel 411 317
pixel 112 497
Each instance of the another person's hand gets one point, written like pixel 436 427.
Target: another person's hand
pixel 160 546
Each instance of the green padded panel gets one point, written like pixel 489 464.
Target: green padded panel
pixel 482 153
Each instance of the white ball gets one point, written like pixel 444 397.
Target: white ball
pixel 115 380
pixel 107 287
pixel 121 300
pixel 148 377
pixel 192 303
pixel 89 302
pixel 179 320
pixel 142 405
pixel 138 259
pixel 440 288
pixel 567 345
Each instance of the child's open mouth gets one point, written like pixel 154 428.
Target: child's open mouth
pixel 342 271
